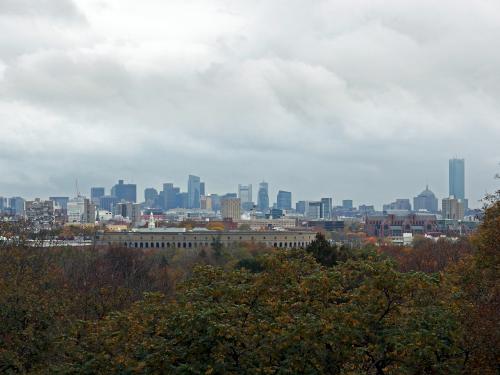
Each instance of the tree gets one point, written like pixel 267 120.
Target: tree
pixel 323 251
pixel 293 317
pixel 474 292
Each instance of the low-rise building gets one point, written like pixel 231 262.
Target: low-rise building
pixel 395 225
pixel 40 212
pixel 162 238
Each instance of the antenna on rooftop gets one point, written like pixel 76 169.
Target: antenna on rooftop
pixel 76 188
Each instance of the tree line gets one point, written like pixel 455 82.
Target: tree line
pixel 429 309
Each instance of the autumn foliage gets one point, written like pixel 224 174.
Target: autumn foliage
pixel 430 309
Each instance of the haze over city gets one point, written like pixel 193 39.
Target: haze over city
pixel 362 100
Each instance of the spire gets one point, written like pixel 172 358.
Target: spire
pixel 151 223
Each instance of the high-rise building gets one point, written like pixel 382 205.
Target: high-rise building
pixel 16 205
pixel 457 178
pixel 169 196
pixel 125 192
pixel 194 194
pixel 108 202
pixel 206 202
pixel 399 204
pixel 96 193
pixel 300 207
pixel 61 202
pixel 3 203
pixel 284 200
pixel 151 197
pixel 215 202
pixel 426 201
pixel 81 210
pixel 263 197
pixel 453 208
pixel 131 211
pixel 313 210
pixel 231 208
pixel 182 200
pixel 245 195
pixel 366 209
pixel 347 204
pixel 327 208
pixel 202 188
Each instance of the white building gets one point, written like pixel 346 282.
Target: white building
pixel 81 211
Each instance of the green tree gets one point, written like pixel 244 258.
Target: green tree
pixel 324 252
pixel 293 317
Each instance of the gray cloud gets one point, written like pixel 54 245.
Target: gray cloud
pixel 57 10
pixel 359 99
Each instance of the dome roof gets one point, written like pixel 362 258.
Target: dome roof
pixel 427 193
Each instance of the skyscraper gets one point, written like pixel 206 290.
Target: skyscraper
pixel 125 192
pixel 151 197
pixel 245 195
pixel 62 202
pixel 453 208
pixel 263 197
pixel 194 189
pixel 108 202
pixel 230 208
pixel 169 196
pixel 457 178
pixel 426 200
pixel 313 210
pixel 327 208
pixel 81 210
pixel 96 193
pixel 284 200
pixel 17 206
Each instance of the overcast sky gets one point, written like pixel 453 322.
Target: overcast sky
pixel 352 99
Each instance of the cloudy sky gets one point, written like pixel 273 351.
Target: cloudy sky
pixel 352 99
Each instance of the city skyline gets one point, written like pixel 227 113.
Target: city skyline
pixel 122 191
pixel 359 101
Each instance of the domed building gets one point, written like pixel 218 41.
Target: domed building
pixel 426 201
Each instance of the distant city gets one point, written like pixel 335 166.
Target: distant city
pixel 249 207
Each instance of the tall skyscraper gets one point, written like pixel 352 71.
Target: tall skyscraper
pixel 245 195
pixel 151 197
pixel 284 200
pixel 194 189
pixel 169 196
pixel 125 192
pixel 327 208
pixel 17 206
pixel 457 178
pixel 108 202
pixel 300 207
pixel 263 197
pixel 96 193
